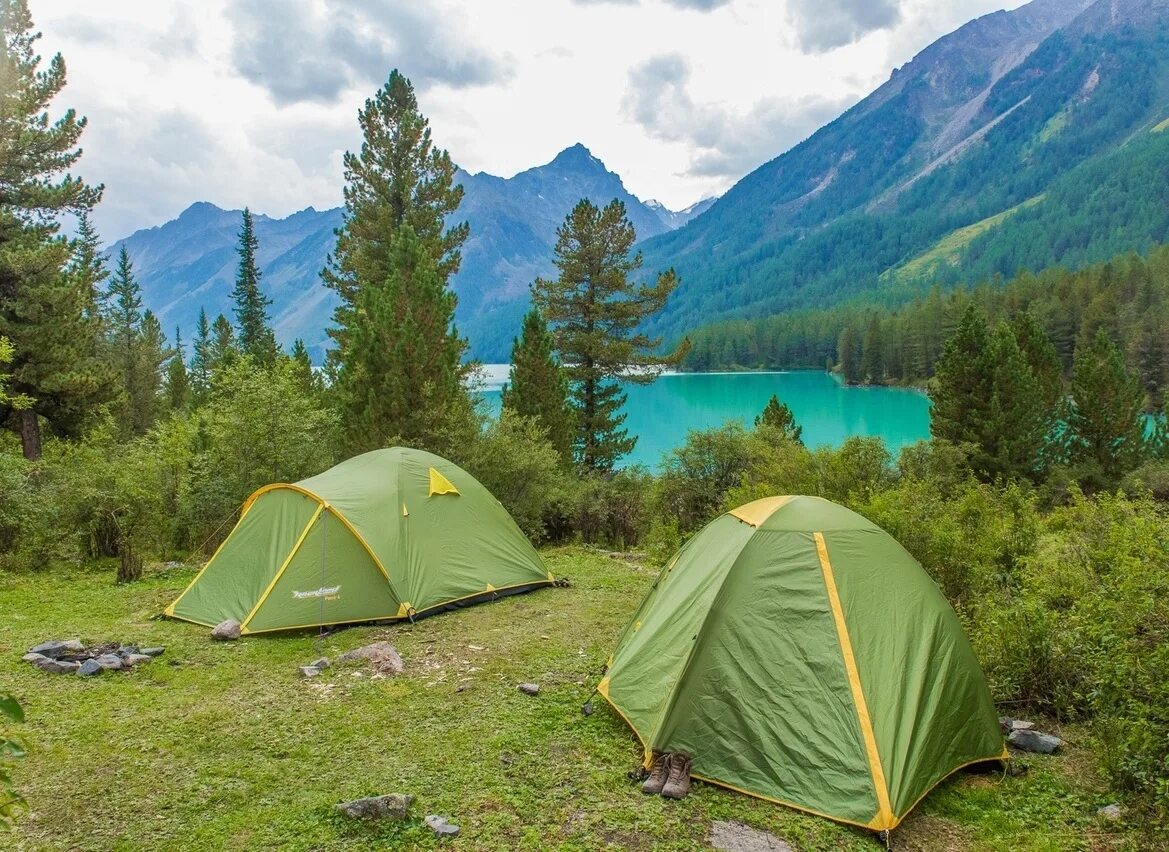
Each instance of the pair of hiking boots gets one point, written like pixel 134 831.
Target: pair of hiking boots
pixel 669 775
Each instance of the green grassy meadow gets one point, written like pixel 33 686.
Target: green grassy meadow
pixel 224 746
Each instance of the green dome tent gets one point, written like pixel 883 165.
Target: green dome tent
pixel 802 656
pixel 385 535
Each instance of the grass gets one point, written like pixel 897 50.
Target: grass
pixel 223 746
pixel 948 250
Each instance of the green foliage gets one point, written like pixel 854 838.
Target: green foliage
pixel 612 509
pixel 251 306
pixel 776 415
pixel 46 304
pixel 178 386
pixel 594 310
pixel 138 349
pixel 222 348
pixel 12 748
pixel 516 462
pixel 1106 429
pixel 17 402
pixel 537 386
pixel 696 476
pixel 201 357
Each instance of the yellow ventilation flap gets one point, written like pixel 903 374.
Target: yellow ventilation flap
pixel 439 484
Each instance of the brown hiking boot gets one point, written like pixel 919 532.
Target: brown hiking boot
pixel 678 782
pixel 657 774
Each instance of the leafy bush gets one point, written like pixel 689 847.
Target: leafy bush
pixel 612 509
pixel 11 748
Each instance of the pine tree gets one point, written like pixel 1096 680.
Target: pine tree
pixel 1018 420
pixel 872 366
pixel 537 386
pixel 88 265
pixel 17 402
pixel 310 381
pixel 849 355
pixel 222 350
pixel 400 379
pixel 145 390
pixel 594 310
pixel 776 415
pixel 961 387
pixel 397 360
pixel 45 309
pixel 200 371
pixel 251 306
pixel 1106 425
pixel 178 386
pixel 124 324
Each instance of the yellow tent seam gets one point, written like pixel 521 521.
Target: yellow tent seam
pixel 758 511
pixel 332 509
pixel 284 566
pixel 884 818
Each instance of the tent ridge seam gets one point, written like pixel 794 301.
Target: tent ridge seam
pixel 885 817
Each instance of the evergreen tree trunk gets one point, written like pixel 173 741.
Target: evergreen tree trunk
pixel 30 434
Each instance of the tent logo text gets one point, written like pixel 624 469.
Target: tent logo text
pixel 326 593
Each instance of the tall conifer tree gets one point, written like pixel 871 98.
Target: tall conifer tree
pixel 397 357
pixel 537 386
pixel 961 387
pixel 594 309
pixel 178 386
pixel 776 415
pixel 200 371
pixel 255 336
pixel 1106 425
pixel 45 309
pixel 222 350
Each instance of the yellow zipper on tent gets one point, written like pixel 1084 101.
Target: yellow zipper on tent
pixel 884 818
pixel 284 566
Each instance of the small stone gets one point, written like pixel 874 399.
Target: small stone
pixel 90 668
pixel 135 659
pixel 58 648
pixel 390 806
pixel 587 709
pixel 126 650
pixel 441 827
pixel 47 664
pixel 733 836
pixel 1110 812
pixel 226 631
pixel 529 688
pixel 34 658
pixel 109 661
pixel 1027 740
pixel 320 663
pixel 1020 725
pixel 382 657
pixel 1005 724
pixel 309 671
pixel 153 652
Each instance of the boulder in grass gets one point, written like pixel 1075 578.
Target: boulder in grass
pixel 47 664
pixel 1028 740
pixel 153 652
pixel 90 668
pixel 321 663
pixel 309 671
pixel 58 648
pixel 110 662
pixel 733 836
pixel 34 658
pixel 382 657
pixel 529 688
pixel 441 827
pixel 1111 812
pixel 136 659
pixel 389 806
pixel 226 631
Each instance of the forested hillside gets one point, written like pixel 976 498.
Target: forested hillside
pixel 1128 297
pixel 1023 140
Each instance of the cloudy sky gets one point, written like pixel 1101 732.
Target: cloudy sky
pixel 253 101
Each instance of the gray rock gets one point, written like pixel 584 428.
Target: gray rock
pixel 320 663
pixel 732 836
pixel 58 648
pixel 529 688
pixel 587 709
pixel 309 671
pixel 1110 812
pixel 34 658
pixel 47 664
pixel 382 657
pixel 136 659
pixel 1005 723
pixel 226 631
pixel 390 806
pixel 153 652
pixel 441 827
pixel 1020 725
pixel 90 668
pixel 110 661
pixel 1026 740
pixel 127 650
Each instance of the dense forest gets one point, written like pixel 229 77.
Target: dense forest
pixel 1128 297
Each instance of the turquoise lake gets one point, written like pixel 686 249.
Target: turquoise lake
pixel 662 413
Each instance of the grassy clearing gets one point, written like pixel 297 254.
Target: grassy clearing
pixel 222 746
pixel 948 250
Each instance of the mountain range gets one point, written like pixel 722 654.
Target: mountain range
pixel 189 263
pixel 1024 139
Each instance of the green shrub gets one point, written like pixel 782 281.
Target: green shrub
pixel 612 509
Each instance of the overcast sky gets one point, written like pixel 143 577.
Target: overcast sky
pixel 253 101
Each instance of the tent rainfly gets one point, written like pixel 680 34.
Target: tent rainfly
pixel 799 654
pixel 386 535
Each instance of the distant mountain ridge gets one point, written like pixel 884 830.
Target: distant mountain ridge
pixel 189 263
pixel 1023 139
